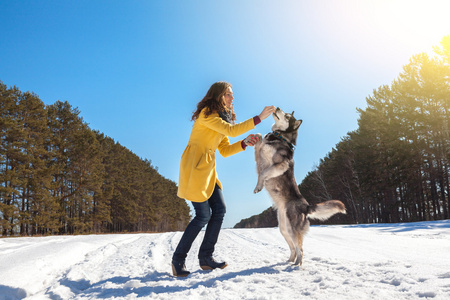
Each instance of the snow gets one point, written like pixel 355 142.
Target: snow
pixel 377 261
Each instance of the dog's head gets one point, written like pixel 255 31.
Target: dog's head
pixel 285 122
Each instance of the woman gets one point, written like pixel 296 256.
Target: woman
pixel 198 182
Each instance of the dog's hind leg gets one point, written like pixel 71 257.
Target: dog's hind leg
pixel 297 252
pixel 286 231
pixel 296 220
pixel 299 249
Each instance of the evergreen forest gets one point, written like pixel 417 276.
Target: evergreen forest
pixel 57 176
pixel 395 166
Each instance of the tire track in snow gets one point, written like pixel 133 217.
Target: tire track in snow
pixel 106 261
pixel 245 247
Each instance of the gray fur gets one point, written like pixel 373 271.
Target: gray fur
pixel 275 168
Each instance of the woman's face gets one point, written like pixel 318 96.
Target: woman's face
pixel 228 98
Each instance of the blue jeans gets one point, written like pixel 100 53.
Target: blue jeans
pixel 210 212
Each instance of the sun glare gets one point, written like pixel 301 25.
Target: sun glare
pixel 382 31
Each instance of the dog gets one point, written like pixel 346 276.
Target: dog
pixel 275 168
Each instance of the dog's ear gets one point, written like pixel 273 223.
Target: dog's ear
pixel 297 124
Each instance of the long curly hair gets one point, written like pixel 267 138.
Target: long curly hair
pixel 214 101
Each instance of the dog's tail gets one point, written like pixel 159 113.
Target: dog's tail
pixel 323 211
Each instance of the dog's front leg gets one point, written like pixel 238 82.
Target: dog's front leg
pixel 258 158
pixel 271 172
pixel 259 137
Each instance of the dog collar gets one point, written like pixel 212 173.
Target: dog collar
pixel 280 137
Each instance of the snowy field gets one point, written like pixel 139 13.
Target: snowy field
pixel 380 261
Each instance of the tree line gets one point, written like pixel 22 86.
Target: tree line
pixel 57 176
pixel 395 166
pixel 267 218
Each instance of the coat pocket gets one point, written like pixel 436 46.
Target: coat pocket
pixel 205 161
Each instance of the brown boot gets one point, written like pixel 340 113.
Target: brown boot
pixel 179 269
pixel 208 263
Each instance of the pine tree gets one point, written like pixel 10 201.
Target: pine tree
pixel 57 176
pixel 9 129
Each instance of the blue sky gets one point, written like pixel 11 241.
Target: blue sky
pixel 136 69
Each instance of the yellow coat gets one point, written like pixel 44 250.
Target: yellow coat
pixel 198 175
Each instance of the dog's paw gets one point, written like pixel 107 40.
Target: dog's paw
pixel 298 260
pixel 257 189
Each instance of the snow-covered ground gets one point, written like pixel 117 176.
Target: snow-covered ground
pixel 379 261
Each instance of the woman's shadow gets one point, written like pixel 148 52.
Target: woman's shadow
pixel 160 282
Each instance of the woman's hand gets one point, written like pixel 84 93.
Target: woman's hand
pixel 251 140
pixel 267 111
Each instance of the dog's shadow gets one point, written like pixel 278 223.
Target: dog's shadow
pixel 159 282
pixel 272 269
